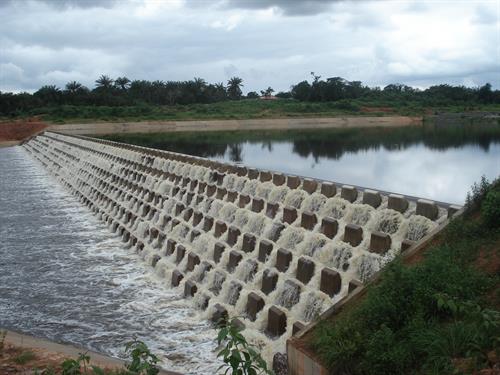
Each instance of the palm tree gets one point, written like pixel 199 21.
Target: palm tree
pixel 104 82
pixel 122 83
pixel 73 87
pixel 234 85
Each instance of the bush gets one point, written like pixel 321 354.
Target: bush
pixel 490 209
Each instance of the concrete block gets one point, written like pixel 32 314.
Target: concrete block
pixel 220 315
pixel 195 233
pixel 283 259
pixel 269 280
pixel 234 259
pixel 155 260
pixel 208 223
pixel 427 208
pixel 193 185
pixel 331 282
pixel 205 268
pixel 297 327
pixel 397 202
pixel 170 247
pixel 197 216
pixel 248 243
pixel 240 326
pixel 353 234
pixel 221 193
pixel 452 210
pixel 220 178
pixel 380 242
pixel 328 190
pixel 349 193
pixel 305 270
pixel 257 204
pixel 289 215
pixel 181 251
pixel 177 276
pixel 271 210
pixel 231 196
pixel 242 171
pixel 276 322
pixel 278 179
pixel 406 244
pixel 192 261
pixel 220 228
pixel 234 296
pixel 329 227
pixel 243 201
pixel 290 293
pixel 265 248
pixel 265 176
pixel 216 287
pixel 293 182
pixel 218 251
pixel 187 214
pixel 255 303
pixel 353 285
pixel 253 173
pixel 232 235
pixel 211 189
pixel 190 288
pixel 372 198
pixel 179 207
pixel 308 220
pixel 309 185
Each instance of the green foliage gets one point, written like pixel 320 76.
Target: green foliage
pixel 490 209
pixel 77 366
pixel 25 357
pixel 240 358
pixel 143 361
pixel 425 317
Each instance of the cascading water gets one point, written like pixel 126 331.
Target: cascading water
pixel 226 276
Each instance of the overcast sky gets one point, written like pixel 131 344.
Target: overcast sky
pixel 266 42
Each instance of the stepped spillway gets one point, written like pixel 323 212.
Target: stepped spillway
pixel 272 249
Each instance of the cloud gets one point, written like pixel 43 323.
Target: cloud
pixel 288 7
pixel 375 42
pixel 63 4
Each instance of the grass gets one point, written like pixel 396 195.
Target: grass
pixel 25 357
pixel 439 316
pixel 244 109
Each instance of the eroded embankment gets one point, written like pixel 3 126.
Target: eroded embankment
pixel 13 132
pixel 275 250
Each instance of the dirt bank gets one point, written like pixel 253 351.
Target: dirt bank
pixel 47 354
pixel 13 132
pixel 225 125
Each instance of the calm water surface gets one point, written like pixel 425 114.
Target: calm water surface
pixel 65 277
pixel 433 161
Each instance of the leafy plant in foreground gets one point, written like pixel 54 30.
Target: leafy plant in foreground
pixel 143 361
pixel 240 357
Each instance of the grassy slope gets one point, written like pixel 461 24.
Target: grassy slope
pixel 439 316
pixel 243 109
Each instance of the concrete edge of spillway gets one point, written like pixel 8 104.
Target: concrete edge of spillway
pixel 280 251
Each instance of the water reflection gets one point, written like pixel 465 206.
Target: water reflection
pixel 434 161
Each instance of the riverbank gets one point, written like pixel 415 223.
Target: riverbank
pixel 232 125
pixel 21 354
pixel 435 312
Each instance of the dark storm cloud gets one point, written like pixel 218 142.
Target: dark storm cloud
pixel 289 7
pixel 63 4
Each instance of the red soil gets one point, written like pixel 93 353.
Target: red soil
pixel 18 130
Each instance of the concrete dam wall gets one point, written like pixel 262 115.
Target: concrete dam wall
pixel 273 249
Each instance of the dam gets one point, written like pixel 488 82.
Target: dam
pixel 275 250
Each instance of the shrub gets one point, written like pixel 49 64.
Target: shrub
pixel 490 209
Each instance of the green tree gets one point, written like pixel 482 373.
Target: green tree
pixel 123 83
pixel 234 85
pixel 104 82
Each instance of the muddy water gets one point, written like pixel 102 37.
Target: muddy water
pixel 65 277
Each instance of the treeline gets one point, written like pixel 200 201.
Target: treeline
pixel 124 92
